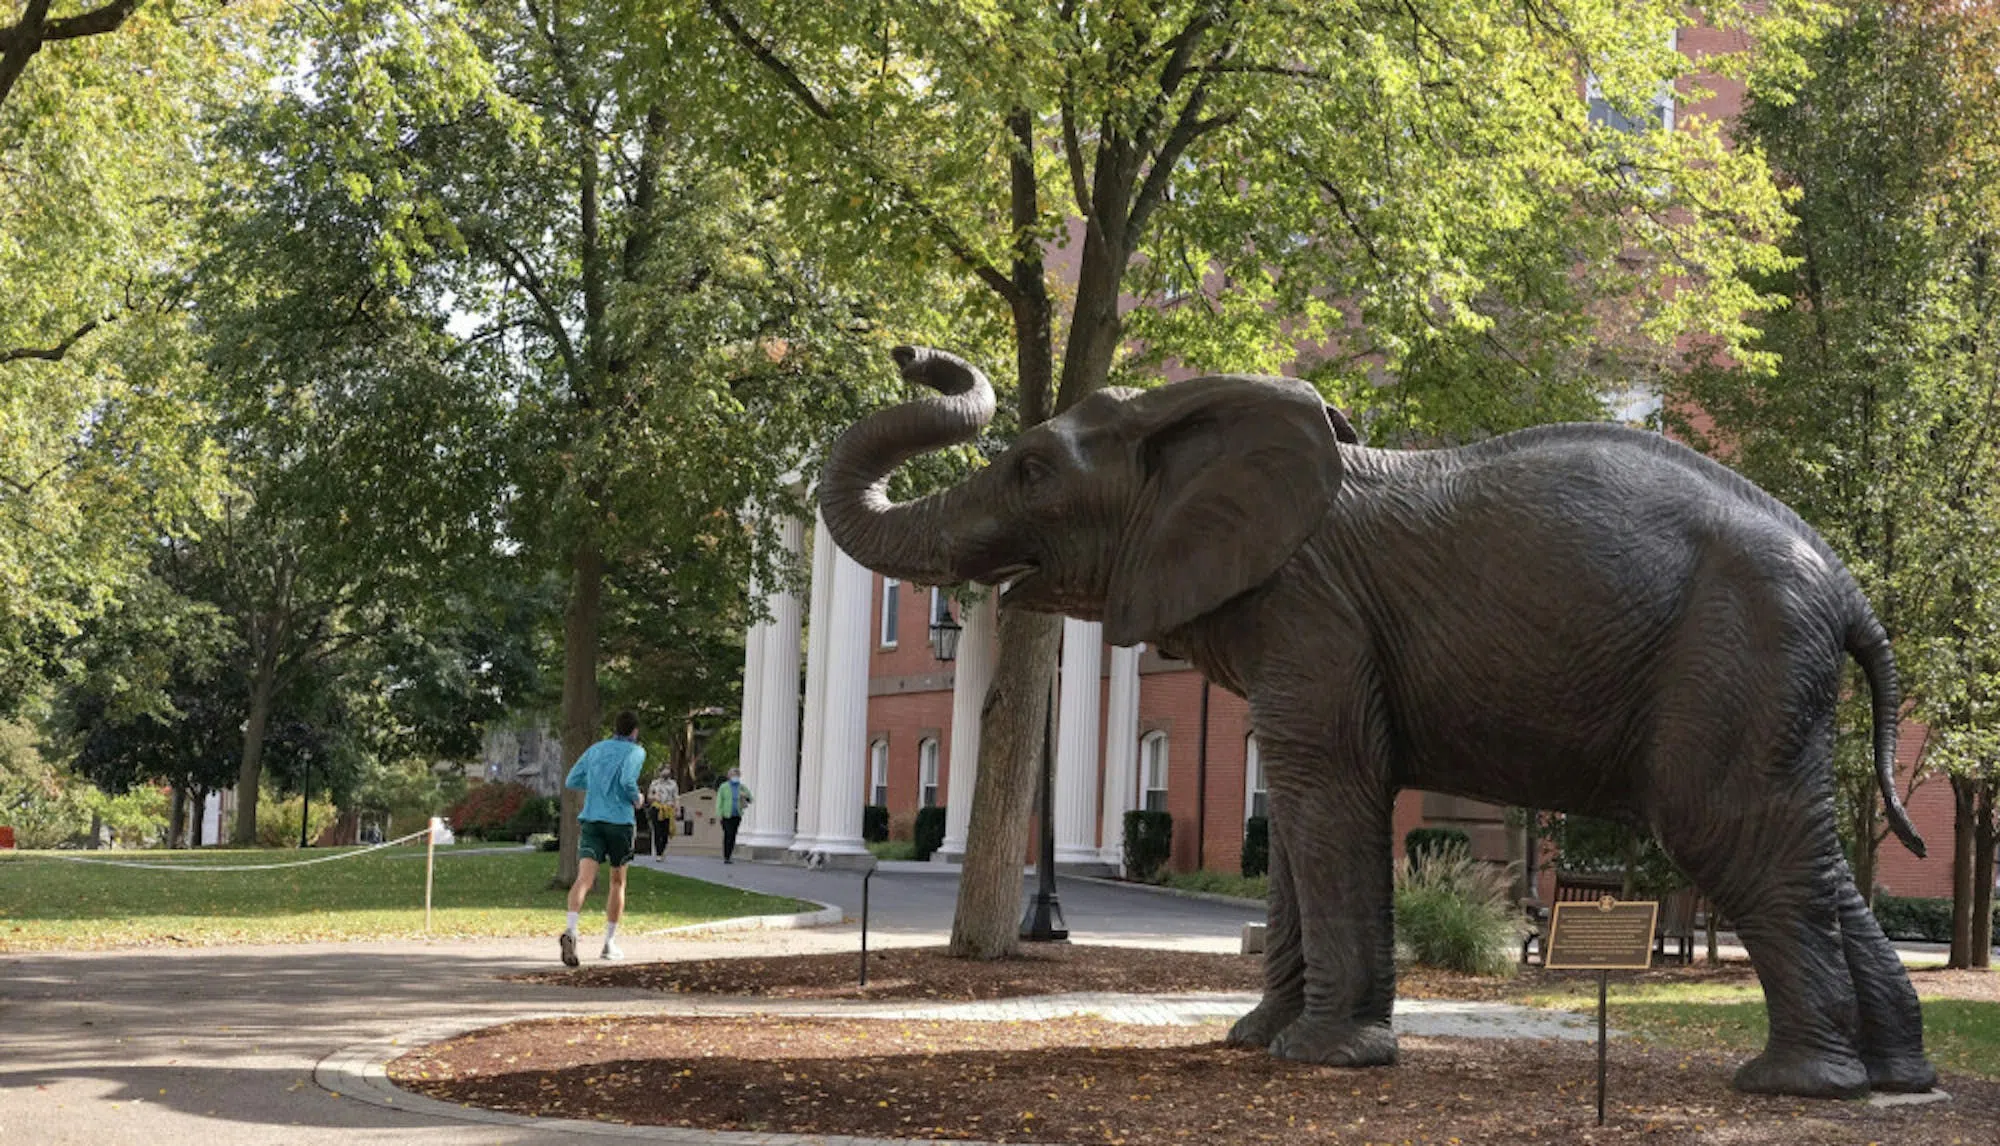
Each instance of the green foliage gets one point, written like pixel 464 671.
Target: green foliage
pixel 1149 842
pixel 280 829
pixel 1917 918
pixel 1453 913
pixel 893 850
pixel 874 823
pixel 1591 845
pixel 1420 844
pixel 54 905
pixel 1210 882
pixel 927 835
pixel 1256 846
pixel 44 805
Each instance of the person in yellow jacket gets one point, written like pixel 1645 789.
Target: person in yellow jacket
pixel 730 800
pixel 663 797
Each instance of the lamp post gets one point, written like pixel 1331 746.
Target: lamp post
pixel 1043 921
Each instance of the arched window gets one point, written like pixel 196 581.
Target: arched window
pixel 878 772
pixel 1153 772
pixel 927 773
pixel 1256 801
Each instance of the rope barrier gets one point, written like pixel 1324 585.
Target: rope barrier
pixel 227 867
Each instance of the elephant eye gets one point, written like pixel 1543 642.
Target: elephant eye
pixel 1035 471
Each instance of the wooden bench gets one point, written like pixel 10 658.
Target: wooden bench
pixel 1675 922
pixel 1571 887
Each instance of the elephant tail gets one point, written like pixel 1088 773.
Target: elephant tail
pixel 1868 644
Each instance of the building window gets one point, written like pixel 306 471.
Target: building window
pixel 1153 772
pixel 878 772
pixel 927 774
pixel 1256 800
pixel 1657 116
pixel 890 594
pixel 940 606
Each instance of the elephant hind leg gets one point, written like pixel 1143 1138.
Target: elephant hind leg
pixel 1774 872
pixel 1892 1023
pixel 1284 955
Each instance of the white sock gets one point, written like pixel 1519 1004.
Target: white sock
pixel 572 921
pixel 610 930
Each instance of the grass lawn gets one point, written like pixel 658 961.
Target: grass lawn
pixel 1220 883
pixel 1961 1035
pixel 47 903
pixel 893 849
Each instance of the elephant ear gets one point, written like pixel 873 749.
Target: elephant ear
pixel 1236 473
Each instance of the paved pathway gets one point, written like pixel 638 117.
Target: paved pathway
pixel 221 1046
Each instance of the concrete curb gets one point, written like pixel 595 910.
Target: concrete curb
pixel 827 916
pixel 1178 893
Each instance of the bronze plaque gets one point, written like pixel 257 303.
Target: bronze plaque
pixel 1609 935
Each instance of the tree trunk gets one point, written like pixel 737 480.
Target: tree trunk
pixel 1980 948
pixel 1962 832
pixel 251 772
pixel 176 815
pixel 579 696
pixel 988 921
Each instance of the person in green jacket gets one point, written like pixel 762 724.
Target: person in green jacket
pixel 608 774
pixel 730 800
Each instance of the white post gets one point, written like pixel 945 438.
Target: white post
pixel 430 868
pixel 775 767
pixel 972 673
pixel 844 766
pixel 1121 750
pixel 1077 727
pixel 819 631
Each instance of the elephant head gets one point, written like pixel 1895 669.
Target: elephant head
pixel 1142 509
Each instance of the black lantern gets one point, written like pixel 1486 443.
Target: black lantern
pixel 944 635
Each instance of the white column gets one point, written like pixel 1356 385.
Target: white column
pixel 1077 728
pixel 844 768
pixel 972 673
pixel 818 631
pixel 753 694
pixel 769 823
pixel 1121 750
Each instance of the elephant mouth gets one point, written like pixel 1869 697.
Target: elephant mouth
pixel 1013 576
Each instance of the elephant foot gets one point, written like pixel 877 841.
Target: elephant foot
pixel 1335 1042
pixel 1805 1074
pixel 1261 1025
pixel 1903 1074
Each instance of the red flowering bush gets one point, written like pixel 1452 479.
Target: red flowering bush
pixel 489 810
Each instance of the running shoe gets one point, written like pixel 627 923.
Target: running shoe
pixel 568 949
pixel 612 951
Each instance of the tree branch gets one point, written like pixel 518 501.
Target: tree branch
pixel 788 78
pixel 53 353
pixel 20 40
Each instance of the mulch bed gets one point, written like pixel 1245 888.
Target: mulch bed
pixel 1086 1081
pixel 928 973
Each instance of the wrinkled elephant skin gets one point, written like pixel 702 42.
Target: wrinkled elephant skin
pixel 1582 618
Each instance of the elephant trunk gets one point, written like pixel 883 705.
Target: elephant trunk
pixel 908 541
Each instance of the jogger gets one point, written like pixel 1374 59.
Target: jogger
pixel 608 774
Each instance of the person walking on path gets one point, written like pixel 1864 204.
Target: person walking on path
pixel 663 797
pixel 608 774
pixel 730 800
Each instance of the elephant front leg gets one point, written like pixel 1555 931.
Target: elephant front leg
pixel 1337 844
pixel 1284 957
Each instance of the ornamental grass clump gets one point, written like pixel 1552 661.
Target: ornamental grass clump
pixel 1453 913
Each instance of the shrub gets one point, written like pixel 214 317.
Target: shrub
pixel 1423 843
pixel 278 821
pixel 1453 912
pixel 545 842
pixel 1256 846
pixel 1149 841
pixel 537 814
pixel 928 834
pixel 875 823
pixel 486 811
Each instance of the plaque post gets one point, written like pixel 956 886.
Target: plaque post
pixel 1603 977
pixel 1603 936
